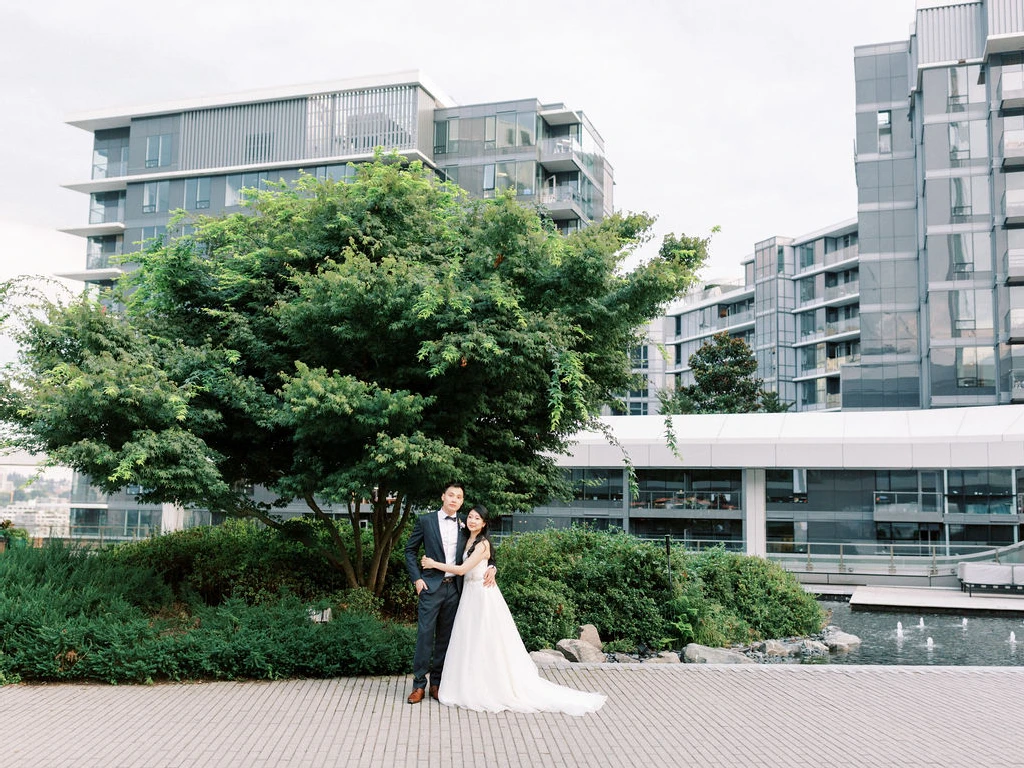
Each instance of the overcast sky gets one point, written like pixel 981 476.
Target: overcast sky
pixel 736 113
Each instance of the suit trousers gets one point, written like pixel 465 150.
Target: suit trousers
pixel 436 615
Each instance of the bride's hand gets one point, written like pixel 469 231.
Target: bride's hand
pixel 426 562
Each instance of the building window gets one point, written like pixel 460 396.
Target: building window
pixel 488 186
pixel 156 196
pixel 638 357
pixel 158 150
pixel 638 408
pixel 106 207
pixel 885 132
pixel 236 182
pixel 975 367
pixel 446 136
pixel 197 193
pixel 152 237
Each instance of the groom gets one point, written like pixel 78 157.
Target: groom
pixel 442 535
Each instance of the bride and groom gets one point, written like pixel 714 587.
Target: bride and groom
pixel 464 627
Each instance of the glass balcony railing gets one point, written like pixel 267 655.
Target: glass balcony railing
pixel 842 326
pixel 835 363
pixel 738 318
pixel 1014 319
pixel 1011 146
pixel 843 289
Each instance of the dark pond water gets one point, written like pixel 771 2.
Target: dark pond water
pixel 983 641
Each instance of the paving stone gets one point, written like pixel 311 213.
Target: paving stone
pixel 656 715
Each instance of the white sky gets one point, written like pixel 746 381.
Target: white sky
pixel 737 113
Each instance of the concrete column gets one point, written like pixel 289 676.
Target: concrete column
pixel 755 512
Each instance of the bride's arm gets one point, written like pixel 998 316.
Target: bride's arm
pixel 479 554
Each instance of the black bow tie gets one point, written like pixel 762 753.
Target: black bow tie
pixel 453 518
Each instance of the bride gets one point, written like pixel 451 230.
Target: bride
pixel 487 667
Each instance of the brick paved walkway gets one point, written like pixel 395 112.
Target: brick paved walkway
pixel 656 715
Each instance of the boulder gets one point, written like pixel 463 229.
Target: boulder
pixel 579 651
pixel 779 648
pixel 813 649
pixel 665 657
pixel 837 640
pixel 625 658
pixel 549 657
pixel 702 654
pixel 588 634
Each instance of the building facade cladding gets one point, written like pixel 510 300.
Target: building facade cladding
pixel 200 155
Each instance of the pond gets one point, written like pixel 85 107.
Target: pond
pixel 962 641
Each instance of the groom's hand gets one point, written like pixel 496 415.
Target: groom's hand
pixel 489 576
pixel 420 586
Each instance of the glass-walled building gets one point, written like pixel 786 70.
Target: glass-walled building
pixel 943 482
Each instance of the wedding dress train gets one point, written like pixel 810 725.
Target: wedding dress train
pixel 487 667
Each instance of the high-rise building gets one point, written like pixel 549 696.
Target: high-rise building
pixel 199 154
pixel 919 303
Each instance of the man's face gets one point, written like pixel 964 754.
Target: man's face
pixel 451 500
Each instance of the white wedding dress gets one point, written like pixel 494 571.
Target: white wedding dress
pixel 487 667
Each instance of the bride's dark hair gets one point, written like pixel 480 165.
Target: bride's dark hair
pixel 481 510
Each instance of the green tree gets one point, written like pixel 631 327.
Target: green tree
pixel 344 345
pixel 724 382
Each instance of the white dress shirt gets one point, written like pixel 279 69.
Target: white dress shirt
pixel 449 535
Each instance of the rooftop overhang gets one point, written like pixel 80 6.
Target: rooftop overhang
pixel 940 438
pixel 120 118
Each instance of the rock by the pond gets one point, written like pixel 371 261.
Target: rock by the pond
pixel 702 654
pixel 580 651
pixel 665 657
pixel 813 648
pixel 549 657
pixel 837 640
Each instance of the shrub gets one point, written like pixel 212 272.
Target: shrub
pixel 543 609
pixel 764 594
pixel 616 582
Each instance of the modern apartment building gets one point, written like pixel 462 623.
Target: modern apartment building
pixel 199 154
pixel 919 302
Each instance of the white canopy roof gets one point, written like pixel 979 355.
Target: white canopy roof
pixel 947 438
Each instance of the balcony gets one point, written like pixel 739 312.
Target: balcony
pixel 565 153
pixel 1015 326
pixel 1014 266
pixel 564 202
pixel 736 319
pixel 1013 207
pixel 1010 91
pixel 834 400
pixel 838 327
pixel 833 364
pixel 1011 148
pixel 1017 386
pixel 842 291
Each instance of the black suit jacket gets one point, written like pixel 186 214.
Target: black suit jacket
pixel 426 533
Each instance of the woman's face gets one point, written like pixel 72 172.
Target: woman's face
pixel 474 522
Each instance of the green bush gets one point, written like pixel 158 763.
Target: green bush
pixel 764 594
pixel 616 582
pixel 543 609
pixel 66 614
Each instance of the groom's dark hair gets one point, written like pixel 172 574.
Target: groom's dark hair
pixel 455 484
